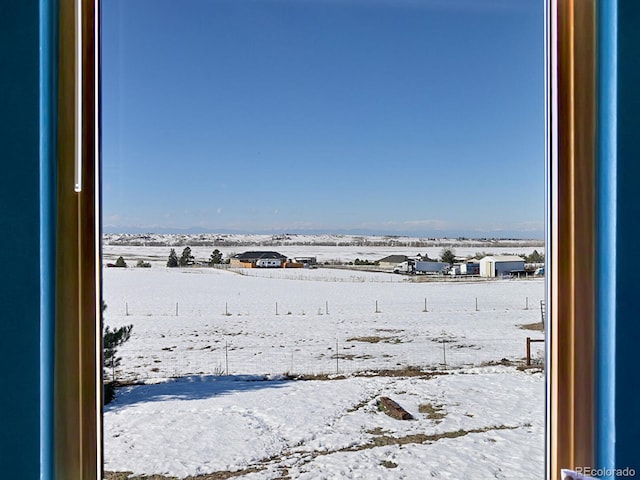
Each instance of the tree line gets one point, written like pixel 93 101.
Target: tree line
pixel 448 255
pixel 186 258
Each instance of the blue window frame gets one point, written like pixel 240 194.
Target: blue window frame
pixel 20 226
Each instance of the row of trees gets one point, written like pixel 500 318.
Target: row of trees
pixel 120 262
pixel 357 261
pixel 186 258
pixel 533 257
pixel 448 255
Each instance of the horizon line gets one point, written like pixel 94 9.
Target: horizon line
pixel 485 235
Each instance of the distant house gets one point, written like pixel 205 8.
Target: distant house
pixel 392 260
pixel 500 265
pixel 306 261
pixel 258 259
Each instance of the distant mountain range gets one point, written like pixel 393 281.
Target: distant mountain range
pixel 334 239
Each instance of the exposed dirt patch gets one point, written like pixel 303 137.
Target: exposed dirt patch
pixel 384 440
pixel 432 412
pixel 377 431
pixel 538 327
pixel 463 345
pixel 531 368
pixel 409 371
pixel 348 356
pixel 360 405
pixel 375 339
pixel 505 361
pixel 209 476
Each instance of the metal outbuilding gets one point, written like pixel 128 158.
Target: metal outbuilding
pixel 498 266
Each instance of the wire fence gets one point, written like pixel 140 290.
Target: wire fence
pixel 164 307
pixel 212 334
pixel 347 356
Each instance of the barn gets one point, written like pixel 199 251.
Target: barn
pixel 498 266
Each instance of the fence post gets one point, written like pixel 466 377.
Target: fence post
pixel 528 351
pixel 526 303
pixel 444 353
pixel 377 311
pixel 276 308
pixel 476 304
pixel 126 309
pixel 226 357
pixel 176 309
pixel 326 307
pixel 425 305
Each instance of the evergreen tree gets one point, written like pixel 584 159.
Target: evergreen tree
pixel 173 258
pixel 186 258
pixel 535 257
pixel 111 340
pixel 448 255
pixel 120 262
pixel 216 257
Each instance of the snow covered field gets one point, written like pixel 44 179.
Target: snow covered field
pixel 235 341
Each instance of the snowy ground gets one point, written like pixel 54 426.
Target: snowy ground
pixel 236 336
pixel 476 424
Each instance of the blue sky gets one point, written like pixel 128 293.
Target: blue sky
pixel 420 117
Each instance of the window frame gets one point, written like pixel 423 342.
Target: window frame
pixel 77 339
pixel 570 83
pixel 571 234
